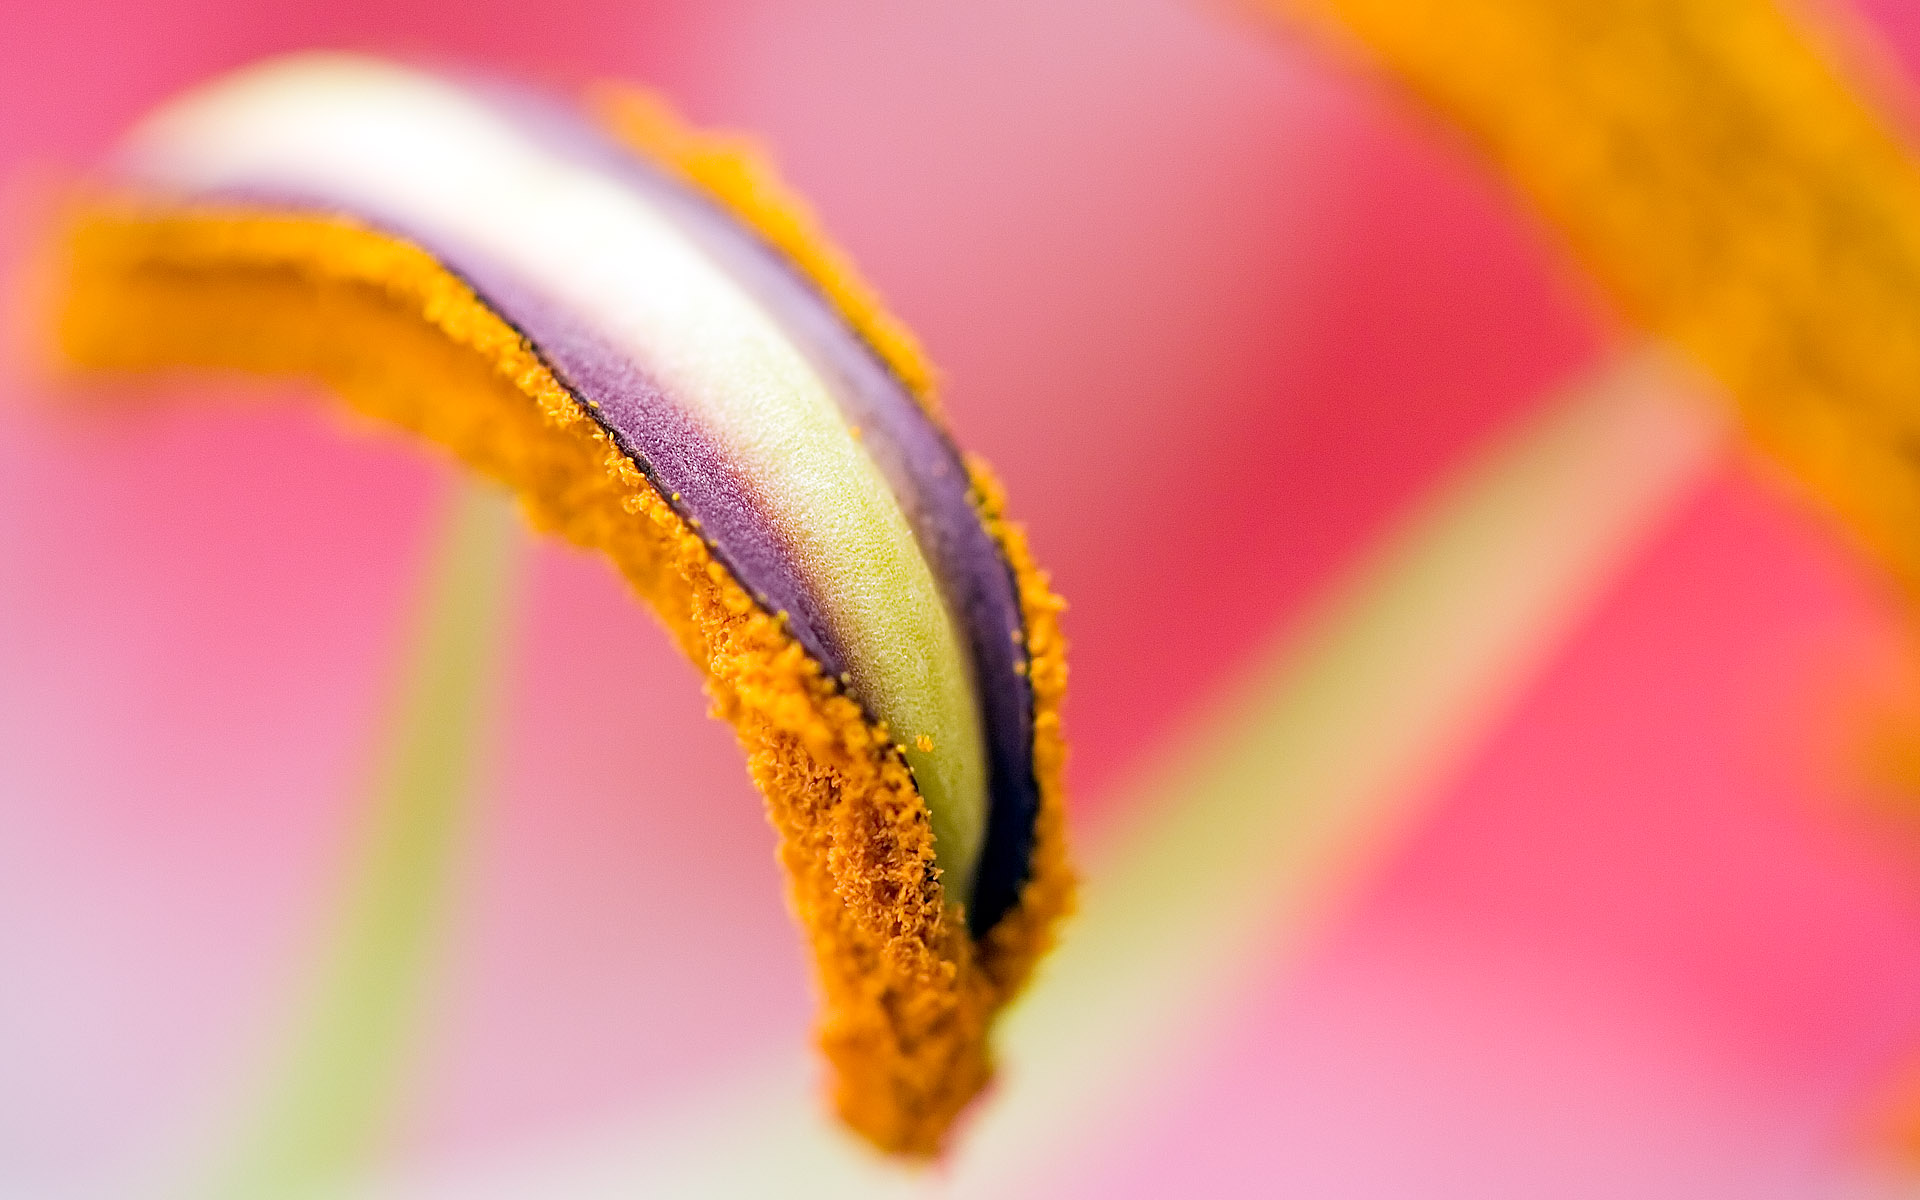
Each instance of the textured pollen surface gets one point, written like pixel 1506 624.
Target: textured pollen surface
pixel 908 993
pixel 600 276
pixel 755 224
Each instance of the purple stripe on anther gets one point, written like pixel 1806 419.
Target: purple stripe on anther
pixel 920 463
pixel 695 475
pixel 921 466
pixel 665 442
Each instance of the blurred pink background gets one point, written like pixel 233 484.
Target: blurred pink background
pixel 1201 295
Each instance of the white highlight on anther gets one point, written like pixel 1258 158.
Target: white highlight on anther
pixel 408 147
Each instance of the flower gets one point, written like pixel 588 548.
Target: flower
pixel 1234 328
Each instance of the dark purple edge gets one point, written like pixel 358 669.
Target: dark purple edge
pixel 682 464
pixel 691 473
pixel 919 461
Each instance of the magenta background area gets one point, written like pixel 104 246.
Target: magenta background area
pixel 1636 952
pixel 1206 303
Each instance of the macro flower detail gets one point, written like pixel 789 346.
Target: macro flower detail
pixel 1490 777
pixel 634 329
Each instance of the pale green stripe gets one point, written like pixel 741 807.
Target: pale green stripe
pixel 327 1106
pixel 1254 821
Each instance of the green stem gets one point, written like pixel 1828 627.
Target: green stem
pixel 331 1100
